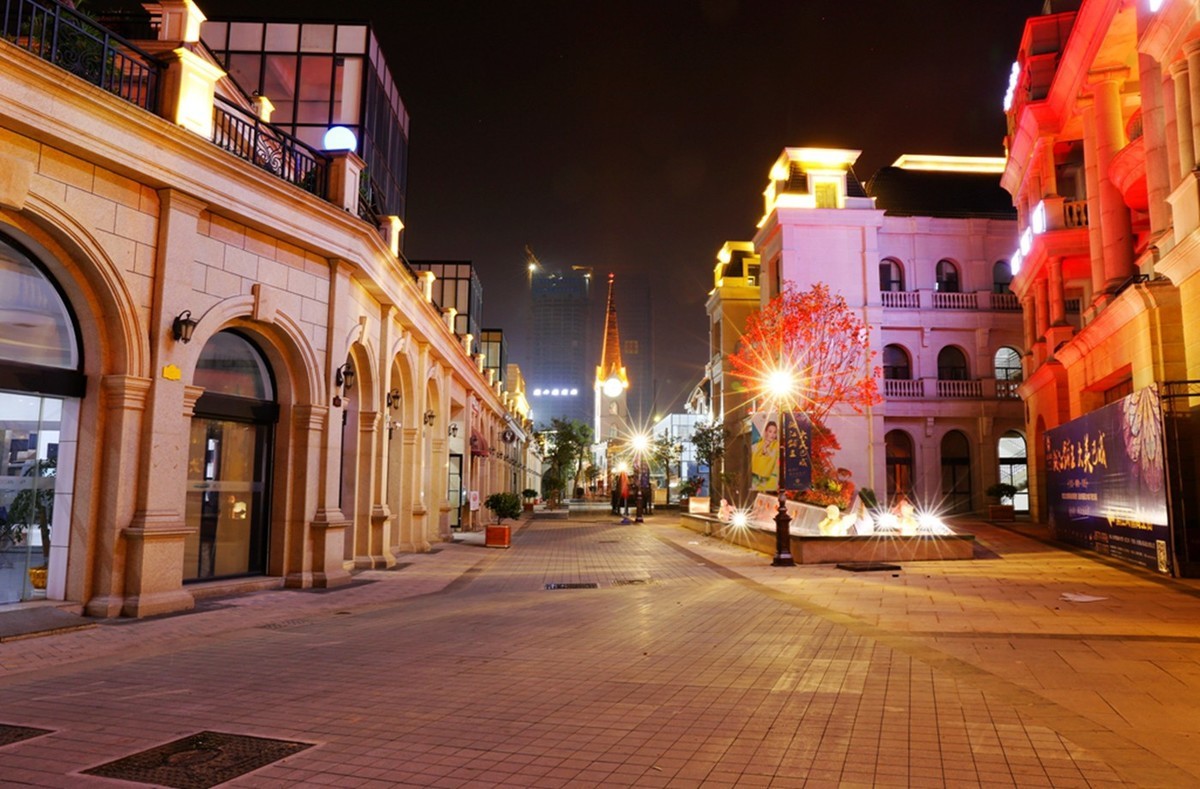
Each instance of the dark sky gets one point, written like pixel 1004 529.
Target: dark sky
pixel 636 135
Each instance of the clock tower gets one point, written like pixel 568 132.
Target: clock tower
pixel 612 383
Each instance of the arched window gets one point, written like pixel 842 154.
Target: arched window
pixel 40 364
pixel 947 277
pixel 896 366
pixel 229 461
pixel 1014 469
pixel 1008 364
pixel 1001 277
pixel 39 343
pixel 898 448
pixel 891 275
pixel 952 364
pixel 956 472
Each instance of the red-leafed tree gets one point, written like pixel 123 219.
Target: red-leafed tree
pixel 817 339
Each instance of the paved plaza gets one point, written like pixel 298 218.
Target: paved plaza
pixel 689 663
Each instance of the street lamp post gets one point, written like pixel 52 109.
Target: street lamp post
pixel 781 384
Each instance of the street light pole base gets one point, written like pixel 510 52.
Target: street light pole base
pixel 784 560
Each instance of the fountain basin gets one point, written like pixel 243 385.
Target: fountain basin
pixel 816 549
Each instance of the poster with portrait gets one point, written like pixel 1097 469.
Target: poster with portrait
pixel 764 450
pixel 1106 481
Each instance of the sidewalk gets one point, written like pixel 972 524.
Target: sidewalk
pixel 690 663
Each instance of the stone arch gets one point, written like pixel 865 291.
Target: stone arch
pixel 115 348
pixel 98 283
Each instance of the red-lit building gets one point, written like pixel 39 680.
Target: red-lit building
pixel 1103 143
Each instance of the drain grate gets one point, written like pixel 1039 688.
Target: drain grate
pixel 632 582
pixel 10 734
pixel 866 567
pixel 572 586
pixel 200 761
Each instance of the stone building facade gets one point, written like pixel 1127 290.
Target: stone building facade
pixel 920 253
pixel 236 381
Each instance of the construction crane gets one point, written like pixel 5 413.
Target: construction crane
pixel 532 264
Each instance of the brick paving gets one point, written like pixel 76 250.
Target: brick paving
pixel 693 663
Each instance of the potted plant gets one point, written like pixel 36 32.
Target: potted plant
pixel 1001 507
pixel 529 494
pixel 504 505
pixel 30 508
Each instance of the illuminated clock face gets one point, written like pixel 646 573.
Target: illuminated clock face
pixel 612 387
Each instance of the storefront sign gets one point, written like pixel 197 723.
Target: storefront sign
pixel 1106 482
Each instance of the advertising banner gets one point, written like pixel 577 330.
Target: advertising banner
pixel 797 451
pixel 1106 483
pixel 764 450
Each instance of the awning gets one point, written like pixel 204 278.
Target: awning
pixel 479 445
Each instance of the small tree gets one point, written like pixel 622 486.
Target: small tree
pixel 571 445
pixel 666 450
pixel 709 440
pixel 505 505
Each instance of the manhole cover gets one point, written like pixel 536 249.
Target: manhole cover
pixel 866 567
pixel 10 734
pixel 572 586
pixel 200 761
pixel 632 582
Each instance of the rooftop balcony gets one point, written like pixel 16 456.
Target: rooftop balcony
pixel 175 77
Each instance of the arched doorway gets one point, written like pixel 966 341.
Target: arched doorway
pixel 41 379
pixel 898 448
pixel 1014 467
pixel 956 472
pixel 229 461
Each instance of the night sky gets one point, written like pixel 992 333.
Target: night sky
pixel 636 135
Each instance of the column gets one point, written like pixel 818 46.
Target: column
pixel 327 532
pixel 1092 178
pixel 1041 302
pixel 1158 173
pixel 1058 311
pixel 155 535
pixel 1115 227
pixel 1191 51
pixel 1183 117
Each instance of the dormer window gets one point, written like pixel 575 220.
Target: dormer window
pixel 826 193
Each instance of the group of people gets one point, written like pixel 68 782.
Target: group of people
pixel 625 487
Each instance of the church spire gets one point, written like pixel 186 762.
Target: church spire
pixel 611 366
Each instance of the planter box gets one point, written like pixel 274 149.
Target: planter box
pixel 498 537
pixel 1001 512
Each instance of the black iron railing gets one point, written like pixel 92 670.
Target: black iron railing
pixel 269 147
pixel 73 42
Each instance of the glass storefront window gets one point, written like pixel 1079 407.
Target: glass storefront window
pixel 30 427
pixel 35 327
pixel 231 365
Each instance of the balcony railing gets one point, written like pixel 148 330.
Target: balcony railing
pixel 910 300
pixel 959 389
pixel 258 142
pixel 1007 390
pixel 897 387
pixel 1004 302
pixel 954 301
pixel 76 44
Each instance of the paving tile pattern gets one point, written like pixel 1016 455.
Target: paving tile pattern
pixel 692 663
